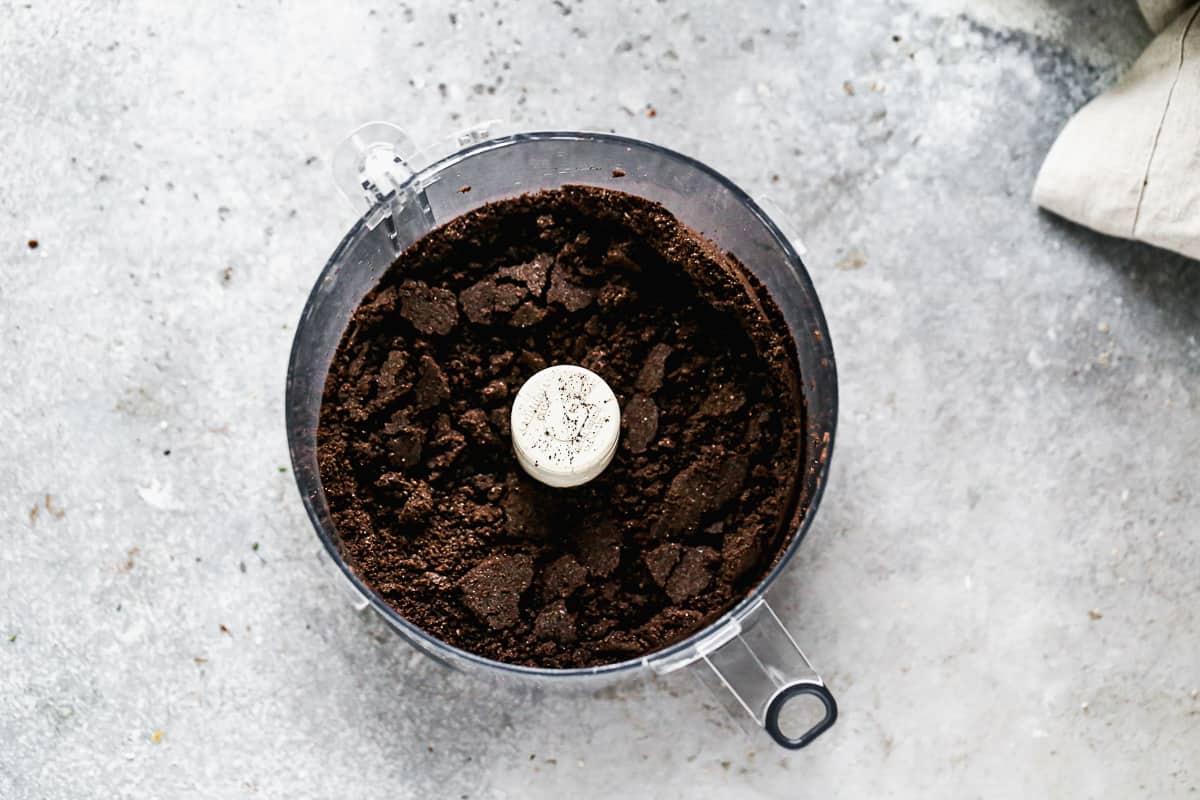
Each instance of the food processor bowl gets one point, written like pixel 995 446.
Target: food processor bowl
pixel 747 655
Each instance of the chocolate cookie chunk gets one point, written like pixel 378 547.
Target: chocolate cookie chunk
pixel 493 588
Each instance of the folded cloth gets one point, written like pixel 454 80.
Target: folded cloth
pixel 1161 13
pixel 1128 164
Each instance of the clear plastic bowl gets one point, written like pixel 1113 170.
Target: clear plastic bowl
pixel 747 652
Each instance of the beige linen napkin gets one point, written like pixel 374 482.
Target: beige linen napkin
pixel 1161 13
pixel 1128 164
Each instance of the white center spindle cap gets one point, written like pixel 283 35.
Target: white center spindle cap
pixel 565 425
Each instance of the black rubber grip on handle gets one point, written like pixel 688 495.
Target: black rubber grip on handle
pixel 771 721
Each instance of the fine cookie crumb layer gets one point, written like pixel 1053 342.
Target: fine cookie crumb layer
pixel 431 508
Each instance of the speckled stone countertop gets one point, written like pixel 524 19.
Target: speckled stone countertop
pixel 1002 583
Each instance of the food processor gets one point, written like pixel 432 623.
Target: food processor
pixel 747 655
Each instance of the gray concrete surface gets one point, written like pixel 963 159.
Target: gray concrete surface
pixel 1003 584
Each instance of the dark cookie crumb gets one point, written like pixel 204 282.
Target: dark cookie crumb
pixel 650 378
pixel 432 385
pixel 639 419
pixel 555 622
pixel 662 560
pixel 692 574
pixel 598 544
pixel 564 576
pixel 494 587
pixel 430 310
pixel 566 293
pixel 487 298
pixel 532 273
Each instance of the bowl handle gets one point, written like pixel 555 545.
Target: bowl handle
pixel 758 662
pixel 376 164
